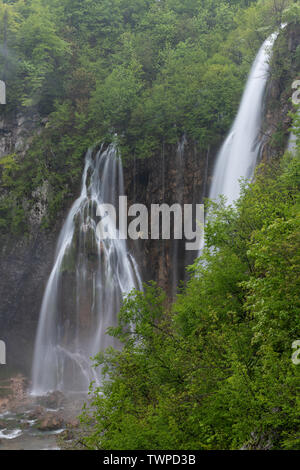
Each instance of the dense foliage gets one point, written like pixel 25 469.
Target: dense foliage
pixel 146 71
pixel 215 370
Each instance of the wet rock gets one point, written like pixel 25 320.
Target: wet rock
pixel 169 177
pixel 39 209
pixel 18 385
pixel 36 413
pixel 4 404
pixel 50 422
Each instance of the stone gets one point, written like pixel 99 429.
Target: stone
pixel 36 413
pixel 50 422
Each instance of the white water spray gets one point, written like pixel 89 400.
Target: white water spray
pixel 85 288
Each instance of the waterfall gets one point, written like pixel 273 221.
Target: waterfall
pixel 238 156
pixel 86 285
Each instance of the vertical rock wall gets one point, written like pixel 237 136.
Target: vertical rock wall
pixel 178 174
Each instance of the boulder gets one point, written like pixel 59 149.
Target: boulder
pixel 50 422
pixel 36 413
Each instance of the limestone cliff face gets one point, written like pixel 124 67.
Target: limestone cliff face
pixel 25 260
pixel 25 265
pixel 179 174
pixel 285 69
pixel 16 133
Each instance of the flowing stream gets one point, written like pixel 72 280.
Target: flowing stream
pixel 85 288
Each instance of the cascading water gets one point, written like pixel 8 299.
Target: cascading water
pixel 85 288
pixel 238 155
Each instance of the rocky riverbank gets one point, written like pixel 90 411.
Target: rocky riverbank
pixel 28 422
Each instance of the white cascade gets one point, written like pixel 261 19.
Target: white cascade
pixel 86 285
pixel 238 156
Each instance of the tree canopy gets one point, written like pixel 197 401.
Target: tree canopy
pixel 215 370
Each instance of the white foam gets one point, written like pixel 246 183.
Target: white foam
pixel 4 434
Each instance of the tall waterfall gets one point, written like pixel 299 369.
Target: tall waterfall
pixel 238 155
pixel 85 287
